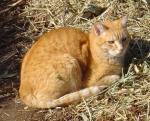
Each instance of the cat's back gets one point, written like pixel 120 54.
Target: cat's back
pixel 62 40
pixel 65 40
pixel 58 42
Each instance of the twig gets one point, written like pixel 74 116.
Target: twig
pixel 10 6
pixel 16 3
pixel 90 116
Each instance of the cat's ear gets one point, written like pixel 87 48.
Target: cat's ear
pixel 124 21
pixel 99 28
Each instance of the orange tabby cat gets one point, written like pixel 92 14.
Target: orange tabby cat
pixel 66 64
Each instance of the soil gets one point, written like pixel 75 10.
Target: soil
pixel 12 109
pixel 12 49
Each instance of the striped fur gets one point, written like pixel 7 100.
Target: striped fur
pixel 65 100
pixel 66 65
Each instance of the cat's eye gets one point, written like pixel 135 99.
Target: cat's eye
pixel 124 39
pixel 111 42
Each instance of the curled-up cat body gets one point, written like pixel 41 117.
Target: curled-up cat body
pixel 66 64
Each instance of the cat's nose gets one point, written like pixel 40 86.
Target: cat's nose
pixel 119 46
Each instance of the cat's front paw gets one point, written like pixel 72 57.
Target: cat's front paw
pixel 108 80
pixel 112 78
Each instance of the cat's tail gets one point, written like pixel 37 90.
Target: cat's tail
pixel 66 99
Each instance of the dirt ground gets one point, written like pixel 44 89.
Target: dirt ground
pixel 10 53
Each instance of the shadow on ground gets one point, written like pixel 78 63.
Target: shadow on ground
pixel 138 52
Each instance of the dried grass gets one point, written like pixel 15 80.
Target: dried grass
pixel 127 100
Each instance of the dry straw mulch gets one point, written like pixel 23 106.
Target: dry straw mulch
pixel 127 100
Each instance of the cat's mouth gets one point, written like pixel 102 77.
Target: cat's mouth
pixel 115 53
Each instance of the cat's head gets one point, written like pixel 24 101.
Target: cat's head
pixel 110 38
